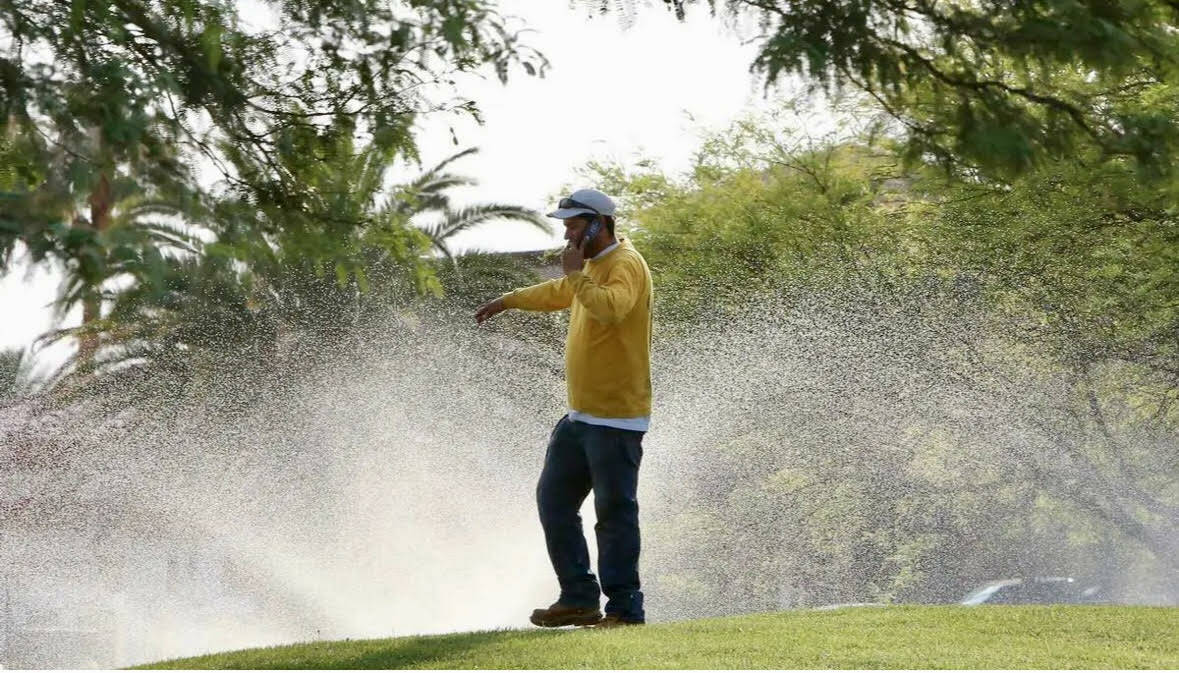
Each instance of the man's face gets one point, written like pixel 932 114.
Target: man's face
pixel 574 228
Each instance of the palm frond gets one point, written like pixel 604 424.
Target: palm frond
pixel 443 248
pixel 14 370
pixel 136 206
pixel 152 231
pixel 417 194
pixel 468 217
pixel 428 195
pixel 443 182
pixel 449 160
pixel 73 290
pixel 371 166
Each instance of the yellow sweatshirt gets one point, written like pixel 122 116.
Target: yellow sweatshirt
pixel 608 350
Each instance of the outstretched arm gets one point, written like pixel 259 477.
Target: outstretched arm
pixel 552 295
pixel 489 309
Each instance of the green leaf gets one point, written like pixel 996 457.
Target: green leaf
pixel 77 16
pixel 452 29
pixel 211 42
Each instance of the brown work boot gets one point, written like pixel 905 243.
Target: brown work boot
pixel 565 615
pixel 612 621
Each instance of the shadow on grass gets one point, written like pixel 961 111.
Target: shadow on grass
pixel 419 652
pixel 407 652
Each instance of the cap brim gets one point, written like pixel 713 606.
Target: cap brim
pixel 570 212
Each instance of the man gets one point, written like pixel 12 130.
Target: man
pixel 598 445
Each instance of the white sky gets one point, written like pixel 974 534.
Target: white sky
pixel 611 93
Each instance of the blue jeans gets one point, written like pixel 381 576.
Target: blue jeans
pixel 580 458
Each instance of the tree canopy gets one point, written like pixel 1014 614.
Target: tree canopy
pixel 90 91
pixel 992 85
pixel 102 102
pixel 918 358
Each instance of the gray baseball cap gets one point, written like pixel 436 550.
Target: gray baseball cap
pixel 584 202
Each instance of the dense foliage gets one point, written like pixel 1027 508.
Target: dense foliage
pixel 962 379
pixel 104 102
pixel 989 84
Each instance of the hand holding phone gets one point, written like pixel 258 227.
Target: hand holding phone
pixel 573 256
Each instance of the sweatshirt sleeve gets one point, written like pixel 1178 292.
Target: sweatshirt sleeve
pixel 611 301
pixel 552 295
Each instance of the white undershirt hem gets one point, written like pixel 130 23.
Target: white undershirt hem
pixel 639 423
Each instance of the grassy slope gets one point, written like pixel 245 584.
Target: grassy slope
pixel 891 637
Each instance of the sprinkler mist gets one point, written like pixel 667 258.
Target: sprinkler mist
pixel 805 450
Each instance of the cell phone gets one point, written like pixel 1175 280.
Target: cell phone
pixel 591 230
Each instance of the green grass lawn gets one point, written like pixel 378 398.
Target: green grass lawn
pixel 876 637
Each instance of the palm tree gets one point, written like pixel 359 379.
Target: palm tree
pixel 197 314
pixel 97 216
pixel 275 273
pixel 141 234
